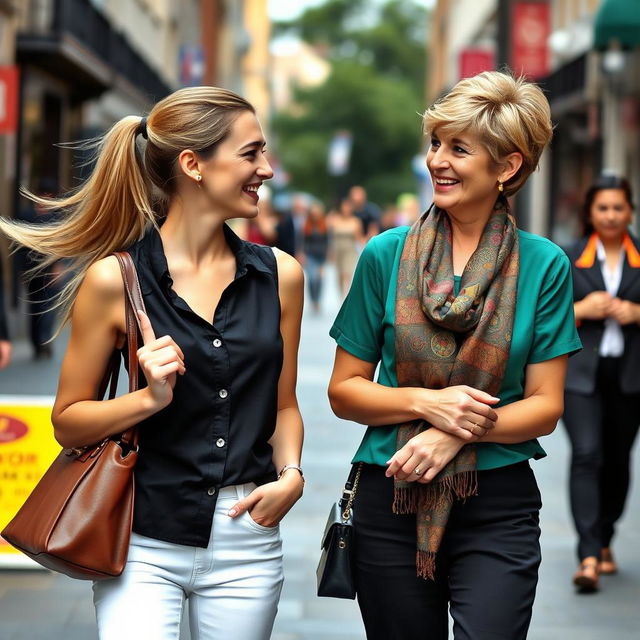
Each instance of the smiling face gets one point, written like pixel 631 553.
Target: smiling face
pixel 610 214
pixel 463 174
pixel 232 175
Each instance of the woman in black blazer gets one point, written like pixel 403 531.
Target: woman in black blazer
pixel 602 398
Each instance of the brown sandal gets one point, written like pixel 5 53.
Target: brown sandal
pixel 586 577
pixel 607 564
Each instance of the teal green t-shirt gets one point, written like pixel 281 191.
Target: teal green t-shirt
pixel 543 328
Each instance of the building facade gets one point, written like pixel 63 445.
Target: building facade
pixel 9 107
pixel 585 55
pixel 69 69
pixel 80 71
pixel 244 60
pixel 83 64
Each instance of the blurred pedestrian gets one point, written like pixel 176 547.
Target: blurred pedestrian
pixel 219 426
pixel 602 399
pixel 5 343
pixel 315 247
pixel 346 239
pixel 299 210
pixel 285 230
pixel 408 209
pixel 366 211
pixel 262 228
pixel 404 213
pixel 470 320
pixel 389 218
pixel 41 283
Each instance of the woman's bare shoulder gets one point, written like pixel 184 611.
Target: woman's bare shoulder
pixel 104 279
pixel 290 270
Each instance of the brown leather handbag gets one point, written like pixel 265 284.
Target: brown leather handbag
pixel 77 520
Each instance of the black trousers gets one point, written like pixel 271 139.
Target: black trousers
pixel 602 428
pixel 487 567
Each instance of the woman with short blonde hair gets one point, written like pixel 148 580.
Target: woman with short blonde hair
pixel 508 114
pixel 470 321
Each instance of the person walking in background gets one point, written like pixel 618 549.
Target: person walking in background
pixel 408 209
pixel 346 239
pixel 285 239
pixel 389 218
pixel 5 343
pixel 602 399
pixel 470 321
pixel 219 425
pixel 367 212
pixel 404 213
pixel 262 228
pixel 315 247
pixel 299 211
pixel 41 284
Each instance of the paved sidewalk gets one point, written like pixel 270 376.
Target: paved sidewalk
pixel 37 605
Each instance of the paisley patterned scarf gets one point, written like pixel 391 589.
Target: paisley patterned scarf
pixel 444 340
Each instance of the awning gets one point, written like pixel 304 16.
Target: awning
pixel 617 21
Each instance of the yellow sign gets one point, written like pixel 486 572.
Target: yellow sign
pixel 27 448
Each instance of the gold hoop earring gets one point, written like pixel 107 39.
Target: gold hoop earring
pixel 500 187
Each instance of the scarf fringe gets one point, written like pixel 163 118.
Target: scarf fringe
pixel 404 500
pixel 426 564
pixel 458 486
pixel 463 485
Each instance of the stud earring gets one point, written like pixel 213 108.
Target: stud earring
pixel 500 186
pixel 199 177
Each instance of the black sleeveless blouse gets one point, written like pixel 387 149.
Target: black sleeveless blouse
pixel 215 432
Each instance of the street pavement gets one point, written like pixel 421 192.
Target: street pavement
pixel 38 605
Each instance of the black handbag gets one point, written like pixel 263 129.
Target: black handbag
pixel 335 572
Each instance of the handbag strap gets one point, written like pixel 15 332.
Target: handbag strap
pixel 133 303
pixel 349 491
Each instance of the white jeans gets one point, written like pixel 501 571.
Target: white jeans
pixel 232 586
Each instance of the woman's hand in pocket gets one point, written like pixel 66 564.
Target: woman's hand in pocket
pixel 271 502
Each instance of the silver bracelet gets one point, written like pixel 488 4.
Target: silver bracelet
pixel 286 467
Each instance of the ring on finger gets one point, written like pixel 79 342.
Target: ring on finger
pixel 418 471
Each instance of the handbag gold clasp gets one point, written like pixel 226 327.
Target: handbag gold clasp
pixel 346 514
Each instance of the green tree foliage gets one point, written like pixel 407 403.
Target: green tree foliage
pixel 375 91
pixel 326 24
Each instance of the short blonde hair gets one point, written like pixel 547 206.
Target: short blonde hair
pixel 508 114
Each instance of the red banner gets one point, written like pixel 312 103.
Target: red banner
pixel 530 29
pixel 9 87
pixel 475 61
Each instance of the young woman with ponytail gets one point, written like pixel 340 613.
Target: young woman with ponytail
pixel 220 429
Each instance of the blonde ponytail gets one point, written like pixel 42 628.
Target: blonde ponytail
pixel 109 212
pixel 114 207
